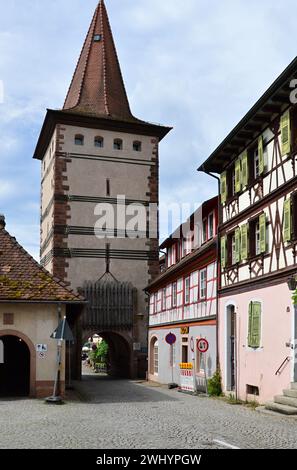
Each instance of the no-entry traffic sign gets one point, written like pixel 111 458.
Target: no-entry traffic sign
pixel 202 345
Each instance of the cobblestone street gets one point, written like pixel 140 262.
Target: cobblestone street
pixel 115 414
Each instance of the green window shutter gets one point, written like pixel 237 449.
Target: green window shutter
pixel 237 245
pixel 238 176
pixel 244 169
pixel 285 133
pixel 244 242
pixel 223 252
pixel 287 220
pixel 261 155
pixel 262 224
pixel 250 324
pixel 256 325
pixel 224 187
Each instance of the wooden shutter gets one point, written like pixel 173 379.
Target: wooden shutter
pixel 285 133
pixel 237 245
pixel 262 225
pixel 287 230
pixel 223 252
pixel 261 155
pixel 224 187
pixel 244 242
pixel 244 169
pixel 250 324
pixel 255 335
pixel 238 176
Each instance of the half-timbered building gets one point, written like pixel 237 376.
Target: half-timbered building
pixel 183 299
pixel 258 246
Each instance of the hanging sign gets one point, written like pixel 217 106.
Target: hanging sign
pixel 170 339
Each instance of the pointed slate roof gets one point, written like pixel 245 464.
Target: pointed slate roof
pixel 97 86
pixel 23 279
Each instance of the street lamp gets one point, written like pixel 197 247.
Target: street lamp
pixel 292 283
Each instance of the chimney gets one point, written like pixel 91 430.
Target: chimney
pixel 2 222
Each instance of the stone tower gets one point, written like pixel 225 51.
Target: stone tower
pixel 92 151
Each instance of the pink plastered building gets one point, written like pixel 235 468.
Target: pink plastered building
pixel 256 164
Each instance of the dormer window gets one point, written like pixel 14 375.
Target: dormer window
pixel 79 139
pixel 137 146
pixel 118 144
pixel 97 38
pixel 99 142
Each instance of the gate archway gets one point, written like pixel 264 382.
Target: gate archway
pixel 119 353
pixel 110 313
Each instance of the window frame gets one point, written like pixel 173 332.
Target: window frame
pixel 187 290
pixel 79 140
pixel 203 297
pixel 174 294
pixel 118 144
pixel 98 139
pixel 139 144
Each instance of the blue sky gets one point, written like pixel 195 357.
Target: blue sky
pixel 196 65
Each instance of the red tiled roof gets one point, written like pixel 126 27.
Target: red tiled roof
pixel 23 279
pixel 97 86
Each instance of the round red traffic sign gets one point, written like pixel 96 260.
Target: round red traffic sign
pixel 170 339
pixel 202 345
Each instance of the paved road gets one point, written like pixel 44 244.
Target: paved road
pixel 128 415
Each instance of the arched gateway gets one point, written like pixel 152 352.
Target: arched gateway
pixel 110 312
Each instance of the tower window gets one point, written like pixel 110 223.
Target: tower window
pixel 137 146
pixel 97 38
pixel 79 139
pixel 99 142
pixel 118 144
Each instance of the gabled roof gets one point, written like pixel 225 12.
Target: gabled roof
pixel 271 103
pixel 23 279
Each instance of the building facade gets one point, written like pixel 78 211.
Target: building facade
pixel 97 158
pixel 183 299
pixel 257 230
pixel 32 303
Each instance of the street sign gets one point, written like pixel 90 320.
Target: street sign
pixel 63 332
pixel 202 345
pixel 170 339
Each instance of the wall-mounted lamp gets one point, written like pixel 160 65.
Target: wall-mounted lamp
pixel 292 283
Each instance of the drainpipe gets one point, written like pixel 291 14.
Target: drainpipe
pixel 218 264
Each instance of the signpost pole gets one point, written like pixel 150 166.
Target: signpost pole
pixel 203 346
pixel 205 375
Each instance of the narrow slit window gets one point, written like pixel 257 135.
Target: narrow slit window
pixel 107 187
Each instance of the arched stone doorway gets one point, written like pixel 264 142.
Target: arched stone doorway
pixel 18 370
